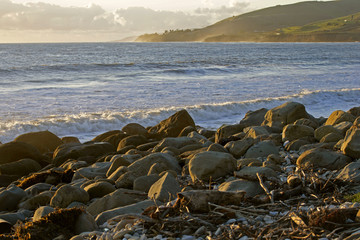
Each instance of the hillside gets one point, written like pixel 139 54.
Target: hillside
pixel 255 26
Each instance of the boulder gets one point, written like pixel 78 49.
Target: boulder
pixel 103 136
pixel 68 194
pixel 85 223
pixel 118 161
pixel 14 151
pixel 172 126
pixel 186 131
pixel 99 189
pixel 293 132
pixel 70 140
pixel 134 140
pixel 39 188
pixel 157 168
pixel 118 198
pixel 5 226
pixel 13 218
pixel 285 114
pixel 34 202
pixel 307 122
pixel 144 183
pixel 76 150
pixel 351 145
pixel 323 158
pixel 256 131
pixel 332 137
pixel 296 144
pixel 239 148
pixel 98 169
pixel 251 173
pixel 42 211
pixel 211 165
pixel 117 173
pixel 338 117
pixel 20 168
pixel 324 130
pixel 343 127
pixel 11 197
pixel 197 136
pixel 44 141
pixel 136 208
pixel 227 131
pixel 165 189
pixel 254 118
pixel 215 147
pixel 350 173
pixel 251 188
pixel 249 162
pixel 178 143
pixel 355 111
pixel 262 149
pixel 134 129
pixel 6 180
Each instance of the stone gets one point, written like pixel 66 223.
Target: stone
pixel 136 208
pixel 20 168
pixel 144 183
pixel 34 202
pixel 117 173
pixel 157 168
pixel 118 161
pixel 85 223
pixel 293 132
pixel 134 129
pixel 254 118
pixel 39 188
pixel 307 122
pixel 44 141
pixel 332 137
pixel 272 165
pixel 99 189
pixel 186 131
pixel 14 151
pixel 191 147
pixel 355 111
pixel 172 126
pixel 324 158
pixel 165 189
pixel 98 169
pixel 68 194
pixel 147 146
pixel 115 139
pixel 294 180
pixel 350 173
pixel 118 198
pixel 74 165
pixel 6 180
pixel 239 148
pixel 211 165
pixel 285 114
pixel 351 145
pixel 42 211
pixel 251 188
pixel 249 162
pixel 126 180
pixel 227 131
pixel 215 147
pixel 103 136
pixel 296 144
pixel 178 143
pixel 256 131
pixel 207 133
pixel 11 197
pixel 134 140
pixel 339 116
pixel 343 127
pixel 70 140
pixel 262 149
pixel 13 218
pixel 5 226
pixel 324 130
pixel 76 150
pixel 197 136
pixel 250 173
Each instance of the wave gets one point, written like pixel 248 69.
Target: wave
pixel 87 125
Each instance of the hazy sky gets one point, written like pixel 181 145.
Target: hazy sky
pixel 107 20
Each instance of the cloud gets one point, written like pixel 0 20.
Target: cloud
pixel 131 21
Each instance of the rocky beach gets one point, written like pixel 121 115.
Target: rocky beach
pixel 279 173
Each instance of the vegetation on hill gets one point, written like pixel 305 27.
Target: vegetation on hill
pixel 263 25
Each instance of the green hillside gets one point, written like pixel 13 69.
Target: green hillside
pixel 261 25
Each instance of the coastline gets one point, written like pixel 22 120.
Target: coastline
pixel 278 172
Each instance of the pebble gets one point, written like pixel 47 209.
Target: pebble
pixel 230 221
pixel 187 237
pixel 244 238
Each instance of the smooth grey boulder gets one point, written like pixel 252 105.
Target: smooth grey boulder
pixel 351 145
pixel 251 173
pixel 68 194
pixel 21 167
pixel 262 149
pixel 211 165
pixel 99 189
pixel 256 131
pixel 39 188
pixel 293 132
pixel 165 189
pixel 251 188
pixel 176 142
pixel 42 211
pixel 85 223
pixel 324 158
pixel 350 173
pixel 11 197
pixel 144 183
pixel 239 148
pixel 12 218
pixel 98 169
pixel 136 208
pixel 339 116
pixel 254 118
pixel 36 201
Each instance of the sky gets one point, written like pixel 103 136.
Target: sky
pixel 110 20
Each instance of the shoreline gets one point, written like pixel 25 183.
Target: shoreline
pixel 278 173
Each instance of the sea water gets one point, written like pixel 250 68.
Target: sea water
pixel 83 89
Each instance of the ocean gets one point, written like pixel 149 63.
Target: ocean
pixel 84 89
